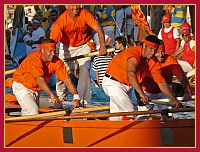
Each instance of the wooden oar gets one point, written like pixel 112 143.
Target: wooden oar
pixel 71 58
pixel 63 112
pixel 96 108
pixel 104 115
pixel 88 55
pixel 165 102
pixel 10 71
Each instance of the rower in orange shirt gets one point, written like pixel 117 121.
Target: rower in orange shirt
pixel 33 74
pixel 73 29
pixel 169 68
pixel 126 70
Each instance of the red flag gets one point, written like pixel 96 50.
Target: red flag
pixel 140 19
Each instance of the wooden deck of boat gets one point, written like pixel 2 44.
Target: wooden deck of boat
pixel 44 102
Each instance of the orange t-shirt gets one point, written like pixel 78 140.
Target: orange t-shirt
pixel 169 68
pixel 33 66
pixel 73 32
pixel 150 68
pixel 117 67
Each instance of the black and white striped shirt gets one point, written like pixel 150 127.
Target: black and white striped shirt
pixel 100 64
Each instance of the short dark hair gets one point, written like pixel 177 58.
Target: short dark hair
pixel 121 39
pixel 152 38
pixel 48 41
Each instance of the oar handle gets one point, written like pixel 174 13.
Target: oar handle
pixel 89 109
pixel 10 72
pixel 88 55
pixel 163 103
pixel 64 112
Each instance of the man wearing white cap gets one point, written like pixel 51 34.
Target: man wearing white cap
pixel 38 35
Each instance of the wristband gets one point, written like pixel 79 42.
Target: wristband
pixel 76 97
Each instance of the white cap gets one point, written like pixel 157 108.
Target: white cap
pixel 35 21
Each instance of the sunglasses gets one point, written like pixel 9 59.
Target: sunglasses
pixel 185 35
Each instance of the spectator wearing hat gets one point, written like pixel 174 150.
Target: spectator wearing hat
pixel 169 35
pixel 38 35
pixel 186 53
pixel 184 26
pixel 187 26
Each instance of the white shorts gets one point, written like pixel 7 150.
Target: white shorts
pixel 28 99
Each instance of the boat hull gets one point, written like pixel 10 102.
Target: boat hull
pixel 101 133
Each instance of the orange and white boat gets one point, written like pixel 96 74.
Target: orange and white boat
pixel 53 128
pixel 77 131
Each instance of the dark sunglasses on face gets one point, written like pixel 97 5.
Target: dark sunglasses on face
pixel 185 35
